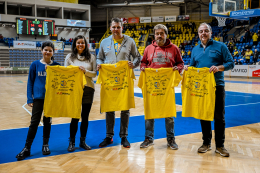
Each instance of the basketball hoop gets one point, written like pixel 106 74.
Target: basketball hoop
pixel 221 21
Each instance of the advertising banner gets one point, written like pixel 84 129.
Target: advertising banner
pixel 145 19
pixel 14 68
pixel 239 70
pixel 254 71
pixel 20 68
pixel 170 18
pixel 183 17
pixel 227 73
pixel 157 19
pixel 25 44
pixel 244 14
pixel 79 23
pixel 58 45
pixel 124 20
pixel 133 20
pixel 6 68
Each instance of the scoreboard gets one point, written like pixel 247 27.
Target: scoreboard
pixel 35 26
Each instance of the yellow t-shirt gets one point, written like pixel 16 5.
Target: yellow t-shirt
pixel 117 44
pixel 248 54
pixel 117 87
pixel 198 93
pixel 158 92
pixel 64 91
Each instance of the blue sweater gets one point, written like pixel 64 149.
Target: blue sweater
pixel 216 53
pixel 36 81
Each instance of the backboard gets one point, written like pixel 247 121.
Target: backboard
pixel 223 8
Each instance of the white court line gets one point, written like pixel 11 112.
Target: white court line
pixel 29 112
pixel 243 104
pixel 237 95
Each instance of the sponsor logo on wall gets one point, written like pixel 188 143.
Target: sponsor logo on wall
pixel 80 23
pixel 170 18
pixel 239 70
pixel 6 68
pixel 145 19
pixel 24 44
pixel 256 73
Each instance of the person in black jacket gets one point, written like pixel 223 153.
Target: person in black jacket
pixel 256 56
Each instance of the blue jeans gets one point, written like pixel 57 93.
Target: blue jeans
pixel 149 128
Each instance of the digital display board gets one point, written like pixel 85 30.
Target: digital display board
pixel 35 26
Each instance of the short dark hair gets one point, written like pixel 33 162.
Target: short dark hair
pixel 74 50
pixel 160 26
pixel 50 44
pixel 116 20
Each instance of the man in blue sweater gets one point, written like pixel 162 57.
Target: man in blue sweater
pixel 216 56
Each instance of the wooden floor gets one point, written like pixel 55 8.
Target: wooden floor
pixel 243 142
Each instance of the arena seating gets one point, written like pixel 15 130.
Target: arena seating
pixel 178 34
pixel 24 57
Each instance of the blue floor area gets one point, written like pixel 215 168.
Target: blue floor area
pixel 241 109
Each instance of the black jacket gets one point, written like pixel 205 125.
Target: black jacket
pixel 256 55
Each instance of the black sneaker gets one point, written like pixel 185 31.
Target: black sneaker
pixel 172 144
pixel 146 143
pixel 106 142
pixel 125 142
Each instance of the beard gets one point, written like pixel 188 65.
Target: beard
pixel 161 42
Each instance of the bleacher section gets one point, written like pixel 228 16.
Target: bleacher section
pixel 4 58
pixel 178 34
pixel 182 35
pixel 187 34
pixel 24 58
pixel 243 46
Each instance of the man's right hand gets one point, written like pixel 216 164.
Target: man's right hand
pixel 142 69
pixel 186 68
pixel 98 67
pixel 30 104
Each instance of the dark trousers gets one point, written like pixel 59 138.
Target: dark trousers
pixel 219 120
pixel 84 122
pixel 110 123
pixel 35 120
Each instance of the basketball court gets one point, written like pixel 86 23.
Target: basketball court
pixel 242 136
pixel 242 129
